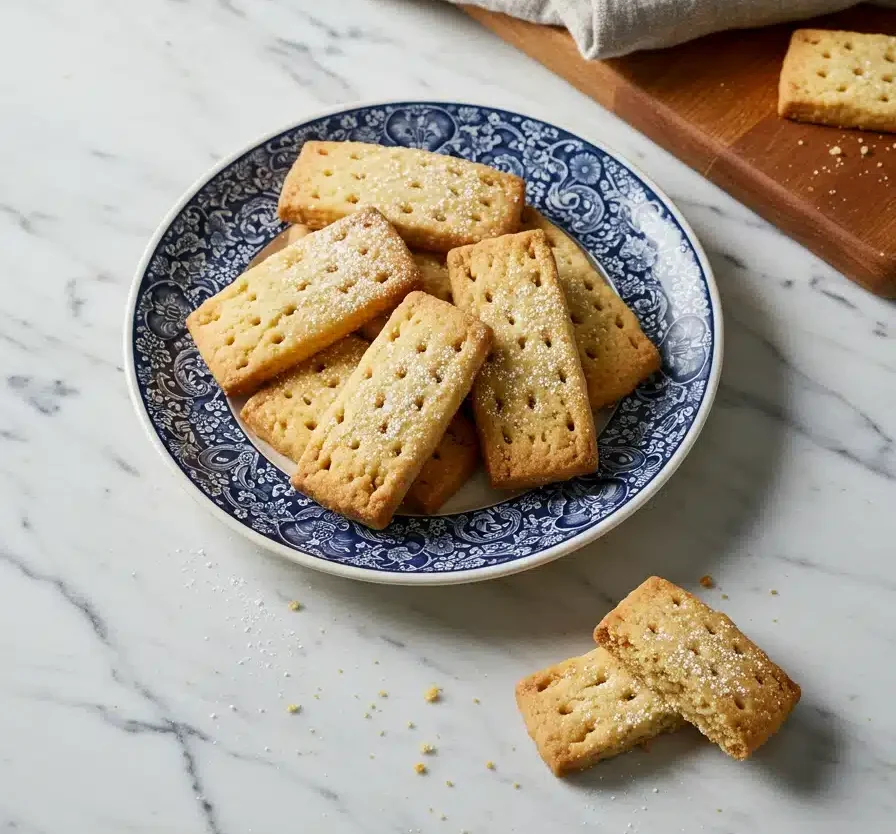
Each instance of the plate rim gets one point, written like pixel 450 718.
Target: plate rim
pixel 550 554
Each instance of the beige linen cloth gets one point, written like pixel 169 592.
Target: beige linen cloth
pixel 607 28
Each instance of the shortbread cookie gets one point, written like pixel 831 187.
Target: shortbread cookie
pixel 589 708
pixel 450 467
pixel 433 280
pixel 390 416
pixel 530 399
pixel 616 355
pixel 844 79
pixel 698 661
pixel 301 300
pixel 285 412
pixel 435 201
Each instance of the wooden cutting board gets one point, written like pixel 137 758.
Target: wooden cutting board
pixel 712 103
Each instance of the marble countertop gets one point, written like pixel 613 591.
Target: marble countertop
pixel 148 657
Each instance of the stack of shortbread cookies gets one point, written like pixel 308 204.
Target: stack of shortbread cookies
pixel 663 658
pixel 410 280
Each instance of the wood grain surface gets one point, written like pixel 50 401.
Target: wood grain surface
pixel 712 103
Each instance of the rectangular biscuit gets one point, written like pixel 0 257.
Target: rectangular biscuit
pixel 433 280
pixel 450 467
pixel 285 412
pixel 616 356
pixel 435 201
pixel 530 400
pixel 302 299
pixel 844 79
pixel 389 418
pixel 698 661
pixel 589 708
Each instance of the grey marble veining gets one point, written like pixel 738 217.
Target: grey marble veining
pixel 148 657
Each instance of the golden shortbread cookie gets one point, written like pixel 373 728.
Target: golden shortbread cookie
pixel 389 417
pixel 589 708
pixel 843 79
pixel 433 280
pixel 435 201
pixel 616 355
pixel 302 299
pixel 530 400
pixel 698 661
pixel 285 412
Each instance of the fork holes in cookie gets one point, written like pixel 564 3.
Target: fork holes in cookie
pixel 821 73
pixel 562 375
pixel 488 297
pixel 421 347
pixel 458 346
pixel 418 403
pixel 485 179
pixel 230 340
pixel 276 338
pixel 323 151
pixel 575 319
pixel 415 184
pixel 368 373
pixel 331 268
pixel 333 382
pixel 475 217
pixel 401 373
pixel 437 376
pixel 737 649
pixel 311 425
pixel 507 438
pixel 543 684
pixel 340 416
pixel 676 601
pixel 709 628
pixel 536 279
pixel 628 696
pixel 306 399
pixel 521 342
pixel 328 172
pixel 355 445
pixel 381 277
pixel 379 401
pixel 406 208
pixel 255 321
pixel 651 627
pixel 384 426
pixel 547 341
pixel 633 342
pixel 570 424
pixel 565 709
pixel 352 198
pixel 439 215
pixel 531 401
pixel 858 71
pixel 618 322
pixel 739 702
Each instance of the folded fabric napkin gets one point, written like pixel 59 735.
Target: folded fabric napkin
pixel 607 28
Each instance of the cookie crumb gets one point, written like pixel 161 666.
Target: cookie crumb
pixel 476 701
pixel 516 786
pixel 490 764
pixel 426 749
pixel 292 709
pixel 449 783
pixel 707 581
pixel 773 592
pixel 433 694
pixel 725 596
pixel 419 768
pixel 295 605
pixel 383 694
pixel 411 725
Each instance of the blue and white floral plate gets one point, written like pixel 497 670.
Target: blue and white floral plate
pixel 620 218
